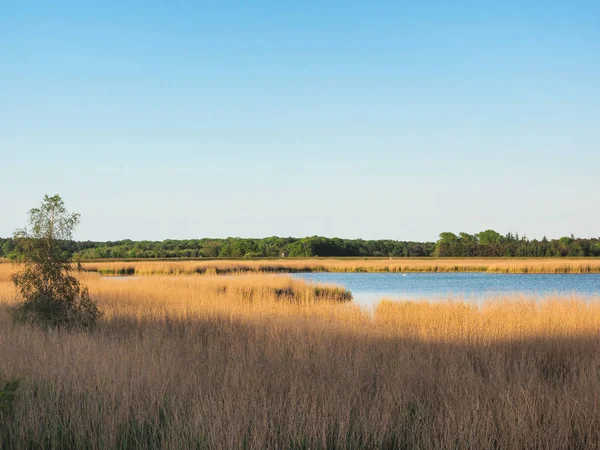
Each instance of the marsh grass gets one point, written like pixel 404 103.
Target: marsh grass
pixel 264 362
pixel 229 267
pixel 282 266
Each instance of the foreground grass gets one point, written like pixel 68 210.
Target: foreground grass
pixel 266 362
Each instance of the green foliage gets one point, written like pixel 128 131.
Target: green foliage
pixel 52 296
pixel 493 244
pixel 270 247
pixel 489 237
pixel 467 238
pixel 486 243
pixel 7 248
pixel 448 238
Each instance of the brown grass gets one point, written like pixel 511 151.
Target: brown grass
pixel 229 267
pixel 263 362
pixel 534 265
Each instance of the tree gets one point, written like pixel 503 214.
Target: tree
pixel 52 297
pixel 7 248
pixel 447 238
pixel 467 238
pixel 489 237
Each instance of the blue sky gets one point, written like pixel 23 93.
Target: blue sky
pixel 400 120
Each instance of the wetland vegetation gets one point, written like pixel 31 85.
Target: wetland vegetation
pixel 181 356
pixel 260 361
pixel 289 265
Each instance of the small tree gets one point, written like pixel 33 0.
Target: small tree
pixel 52 296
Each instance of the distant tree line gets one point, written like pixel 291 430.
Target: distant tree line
pixel 487 243
pixel 492 243
pixel 271 247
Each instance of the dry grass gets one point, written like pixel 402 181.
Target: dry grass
pixel 534 265
pixel 239 362
pixel 229 267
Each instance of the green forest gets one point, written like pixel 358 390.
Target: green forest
pixel 487 243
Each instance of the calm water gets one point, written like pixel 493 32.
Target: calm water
pixel 368 288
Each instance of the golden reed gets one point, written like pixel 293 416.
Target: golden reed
pixel 349 265
pixel 263 362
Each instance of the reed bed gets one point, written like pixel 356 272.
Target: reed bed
pixel 264 362
pixel 6 270
pixel 493 265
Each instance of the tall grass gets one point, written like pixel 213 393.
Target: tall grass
pixel 265 362
pixel 237 267
pixel 557 265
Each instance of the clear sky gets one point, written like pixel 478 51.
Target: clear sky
pixel 398 120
